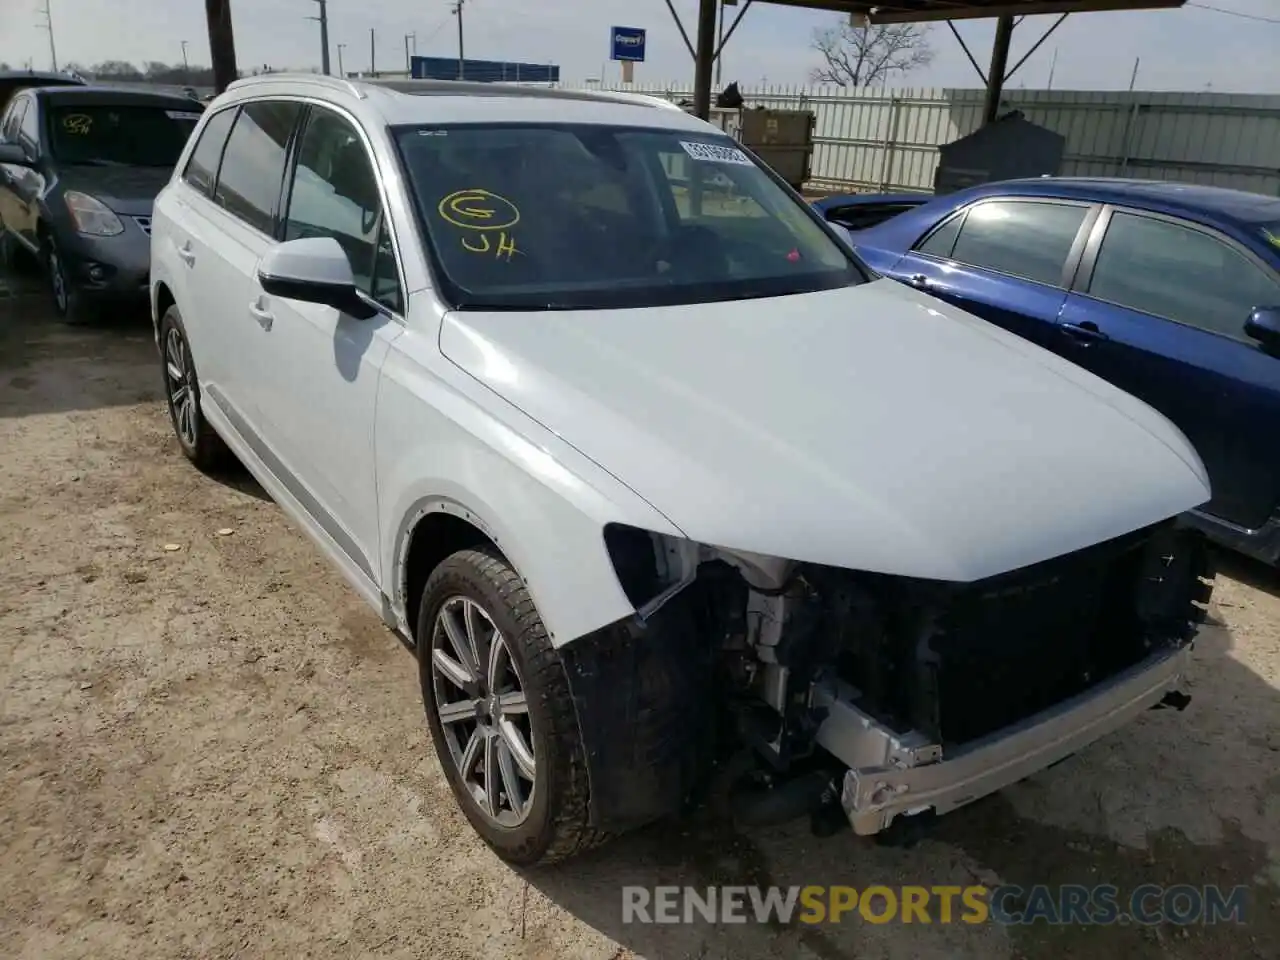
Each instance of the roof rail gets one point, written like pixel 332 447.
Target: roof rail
pixel 319 79
pixel 474 88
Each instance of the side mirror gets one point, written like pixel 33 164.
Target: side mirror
pixel 1263 325
pixel 14 153
pixel 313 270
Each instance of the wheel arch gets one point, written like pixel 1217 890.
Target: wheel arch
pixel 162 299
pixel 437 530
pixel 559 554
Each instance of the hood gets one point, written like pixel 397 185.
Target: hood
pixel 870 427
pixel 128 190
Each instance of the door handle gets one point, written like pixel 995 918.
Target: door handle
pixel 187 254
pixel 260 313
pixel 920 281
pixel 1086 332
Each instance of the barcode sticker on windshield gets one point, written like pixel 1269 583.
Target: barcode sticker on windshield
pixel 715 153
pixel 181 115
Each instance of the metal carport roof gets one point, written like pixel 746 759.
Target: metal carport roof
pixel 916 11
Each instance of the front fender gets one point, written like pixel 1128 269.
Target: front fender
pixel 445 442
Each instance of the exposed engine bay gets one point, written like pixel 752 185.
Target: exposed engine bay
pixel 803 686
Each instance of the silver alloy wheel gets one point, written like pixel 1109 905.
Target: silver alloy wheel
pixel 480 699
pixel 181 398
pixel 57 279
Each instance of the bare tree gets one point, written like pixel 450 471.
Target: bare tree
pixel 870 55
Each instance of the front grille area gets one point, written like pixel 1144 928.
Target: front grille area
pixel 1006 648
pixel 144 223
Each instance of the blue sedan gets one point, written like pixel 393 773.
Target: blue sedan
pixel 1170 291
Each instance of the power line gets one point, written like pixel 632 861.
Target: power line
pixel 1257 17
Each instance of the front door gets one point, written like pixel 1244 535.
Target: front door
pixel 1164 307
pixel 1005 260
pixel 323 367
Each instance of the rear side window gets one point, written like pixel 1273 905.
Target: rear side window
pixel 1018 237
pixel 252 168
pixel 30 124
pixel 13 119
pixel 202 168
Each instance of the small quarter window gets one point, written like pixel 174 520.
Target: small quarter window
pixel 202 167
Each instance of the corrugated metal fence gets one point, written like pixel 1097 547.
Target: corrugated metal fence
pixel 887 139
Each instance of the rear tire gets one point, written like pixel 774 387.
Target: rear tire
pixel 199 442
pixel 502 719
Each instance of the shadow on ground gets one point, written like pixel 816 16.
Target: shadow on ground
pixel 49 367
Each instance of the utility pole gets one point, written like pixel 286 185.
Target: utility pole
pixel 373 58
pixel 222 43
pixel 457 8
pixel 48 25
pixel 720 44
pixel 341 72
pixel 408 57
pixel 324 35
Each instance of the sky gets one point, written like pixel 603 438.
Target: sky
pixel 1192 48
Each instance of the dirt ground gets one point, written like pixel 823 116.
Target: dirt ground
pixel 218 751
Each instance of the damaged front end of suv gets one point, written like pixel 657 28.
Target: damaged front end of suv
pixel 792 689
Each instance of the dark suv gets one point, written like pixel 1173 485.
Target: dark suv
pixel 11 81
pixel 80 168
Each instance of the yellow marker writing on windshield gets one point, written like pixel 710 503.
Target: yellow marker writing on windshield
pixel 506 247
pixel 77 123
pixel 477 209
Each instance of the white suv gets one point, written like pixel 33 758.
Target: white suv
pixel 659 479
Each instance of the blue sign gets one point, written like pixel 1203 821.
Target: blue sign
pixel 626 43
pixel 484 71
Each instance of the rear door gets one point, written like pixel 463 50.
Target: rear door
pixel 235 225
pixel 1007 260
pixel 182 251
pixel 1159 310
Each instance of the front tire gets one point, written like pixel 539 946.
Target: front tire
pixel 69 302
pixel 500 712
pixel 199 443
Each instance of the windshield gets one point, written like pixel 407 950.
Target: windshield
pixel 579 217
pixel 119 135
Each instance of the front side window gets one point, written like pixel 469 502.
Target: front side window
pixel 550 216
pixel 252 168
pixel 1022 238
pixel 202 167
pixel 119 134
pixel 335 194
pixel 1180 273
